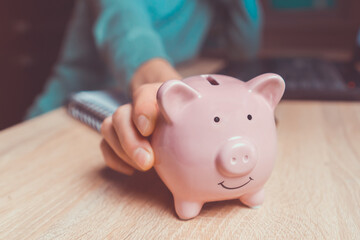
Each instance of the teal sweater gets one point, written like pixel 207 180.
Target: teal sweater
pixel 108 39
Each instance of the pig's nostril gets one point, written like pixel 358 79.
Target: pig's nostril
pixel 245 159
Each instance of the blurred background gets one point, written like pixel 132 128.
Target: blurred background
pixel 31 34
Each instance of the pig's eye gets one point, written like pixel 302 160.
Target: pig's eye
pixel 216 119
pixel 249 117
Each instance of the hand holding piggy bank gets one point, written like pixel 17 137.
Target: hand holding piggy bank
pixel 216 139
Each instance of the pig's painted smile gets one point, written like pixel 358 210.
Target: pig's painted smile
pixel 232 188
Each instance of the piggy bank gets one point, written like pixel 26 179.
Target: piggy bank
pixel 215 139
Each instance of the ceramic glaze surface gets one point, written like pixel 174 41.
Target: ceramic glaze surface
pixel 216 139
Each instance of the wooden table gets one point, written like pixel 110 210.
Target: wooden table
pixel 55 185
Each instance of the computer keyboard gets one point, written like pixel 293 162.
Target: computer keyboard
pixel 305 78
pixel 310 74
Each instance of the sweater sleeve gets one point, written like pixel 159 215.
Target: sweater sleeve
pixel 125 36
pixel 236 31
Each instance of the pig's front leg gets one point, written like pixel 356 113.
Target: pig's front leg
pixel 253 199
pixel 187 209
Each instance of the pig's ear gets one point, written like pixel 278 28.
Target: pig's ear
pixel 173 96
pixel 271 86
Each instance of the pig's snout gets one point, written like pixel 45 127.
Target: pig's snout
pixel 236 158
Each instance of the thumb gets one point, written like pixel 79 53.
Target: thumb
pixel 145 109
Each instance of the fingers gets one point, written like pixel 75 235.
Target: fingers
pixel 109 134
pixel 145 109
pixel 113 161
pixel 126 130
pixel 135 146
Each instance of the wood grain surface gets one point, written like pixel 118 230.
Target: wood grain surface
pixel 55 185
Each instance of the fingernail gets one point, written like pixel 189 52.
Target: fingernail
pixel 142 158
pixel 143 123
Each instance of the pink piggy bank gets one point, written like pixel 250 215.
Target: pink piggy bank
pixel 216 139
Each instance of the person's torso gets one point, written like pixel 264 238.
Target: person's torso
pixel 181 24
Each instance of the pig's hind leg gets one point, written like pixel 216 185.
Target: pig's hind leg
pixel 187 209
pixel 254 199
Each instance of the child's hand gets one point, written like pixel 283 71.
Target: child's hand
pixel 125 146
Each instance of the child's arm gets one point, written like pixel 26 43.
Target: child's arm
pixel 125 37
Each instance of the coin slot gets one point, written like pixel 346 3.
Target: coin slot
pixel 212 80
